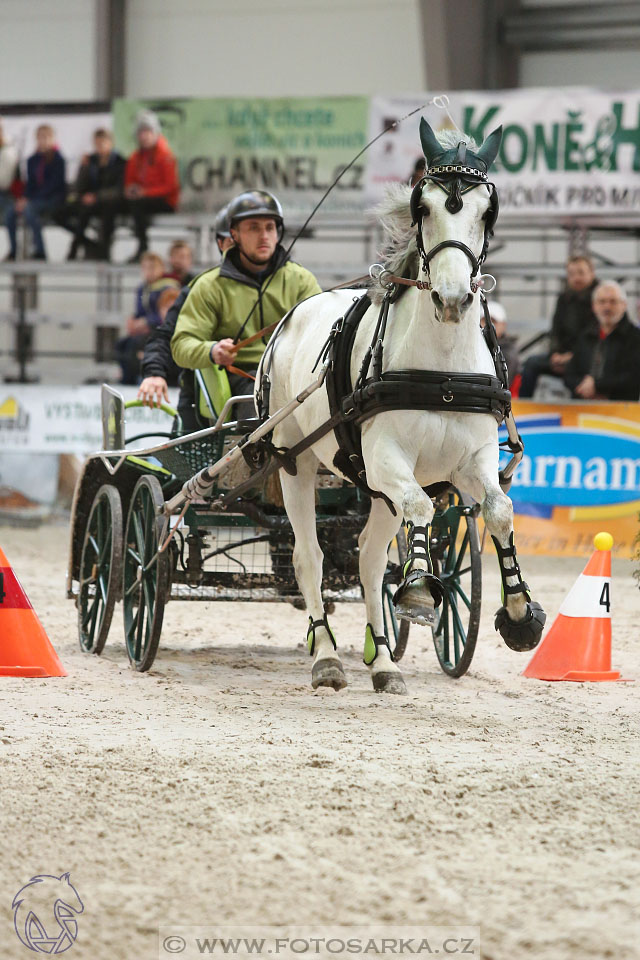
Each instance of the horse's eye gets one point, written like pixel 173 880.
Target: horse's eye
pixel 424 209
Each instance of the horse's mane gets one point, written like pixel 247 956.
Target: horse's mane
pixel 399 254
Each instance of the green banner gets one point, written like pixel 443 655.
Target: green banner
pixel 293 147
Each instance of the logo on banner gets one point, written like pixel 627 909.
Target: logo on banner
pixel 13 417
pixel 576 466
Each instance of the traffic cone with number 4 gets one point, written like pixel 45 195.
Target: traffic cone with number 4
pixel 578 645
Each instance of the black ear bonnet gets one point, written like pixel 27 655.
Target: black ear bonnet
pixel 456 171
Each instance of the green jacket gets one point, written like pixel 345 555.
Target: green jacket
pixel 220 300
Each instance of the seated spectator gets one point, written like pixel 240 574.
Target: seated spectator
pixel 572 317
pixel 606 364
pixel 130 349
pixel 181 262
pixel 98 193
pixel 508 344
pixel 151 178
pixel 9 174
pixel 44 192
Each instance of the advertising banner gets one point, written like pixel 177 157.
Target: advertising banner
pixel 294 147
pixel 73 131
pixel 580 474
pixel 565 152
pixel 45 419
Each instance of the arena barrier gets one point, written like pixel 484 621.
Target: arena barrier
pixel 580 472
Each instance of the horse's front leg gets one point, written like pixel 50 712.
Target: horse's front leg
pixel 390 469
pixel 520 619
pixel 374 541
pixel 299 499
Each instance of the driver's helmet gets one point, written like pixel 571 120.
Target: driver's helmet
pixel 255 203
pixel 222 222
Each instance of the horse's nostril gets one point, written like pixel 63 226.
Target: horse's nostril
pixel 437 300
pixel 468 300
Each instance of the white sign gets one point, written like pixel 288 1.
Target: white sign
pixel 569 151
pixel 51 419
pixel 73 133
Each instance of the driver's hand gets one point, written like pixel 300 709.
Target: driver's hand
pixel 153 390
pixel 224 352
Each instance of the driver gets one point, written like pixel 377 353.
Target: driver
pixel 255 286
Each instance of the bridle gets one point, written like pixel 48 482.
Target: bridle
pixel 455 179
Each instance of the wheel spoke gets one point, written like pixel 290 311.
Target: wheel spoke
pixel 133 555
pixel 103 588
pixel 134 585
pixel 458 627
pixel 456 586
pixel 106 547
pixel 463 548
pixel 139 535
pixel 93 543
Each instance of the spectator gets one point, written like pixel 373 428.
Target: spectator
pixel 129 349
pixel 181 262
pixel 44 192
pixel 98 193
pixel 606 364
pixel 508 344
pixel 9 175
pixel 151 178
pixel 573 316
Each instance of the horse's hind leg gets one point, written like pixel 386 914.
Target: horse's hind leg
pixel 374 543
pixel 299 499
pixel 520 620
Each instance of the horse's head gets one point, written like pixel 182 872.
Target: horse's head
pixel 454 207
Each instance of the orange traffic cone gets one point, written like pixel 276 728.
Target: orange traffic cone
pixel 578 645
pixel 25 649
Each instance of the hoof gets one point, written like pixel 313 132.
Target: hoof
pixel 328 673
pixel 416 604
pixel 389 683
pixel 521 635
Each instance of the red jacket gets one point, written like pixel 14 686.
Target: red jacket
pixel 155 171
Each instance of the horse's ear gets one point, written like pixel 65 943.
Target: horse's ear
pixel 431 146
pixel 489 149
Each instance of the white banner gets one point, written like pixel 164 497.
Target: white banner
pixel 565 152
pixel 51 419
pixel 73 132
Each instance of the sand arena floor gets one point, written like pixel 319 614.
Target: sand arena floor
pixel 220 789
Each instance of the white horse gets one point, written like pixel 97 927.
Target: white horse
pixel 403 450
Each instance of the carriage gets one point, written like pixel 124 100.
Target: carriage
pixel 401 405
pixel 125 545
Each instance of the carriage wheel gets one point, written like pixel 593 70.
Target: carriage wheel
pixel 100 569
pixel 146 574
pixel 456 556
pixel 392 626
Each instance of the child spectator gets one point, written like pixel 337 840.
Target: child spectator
pixel 606 364
pixel 9 175
pixel 181 262
pixel 98 193
pixel 130 349
pixel 44 193
pixel 572 317
pixel 151 178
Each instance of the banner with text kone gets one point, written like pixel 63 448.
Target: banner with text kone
pixel 565 152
